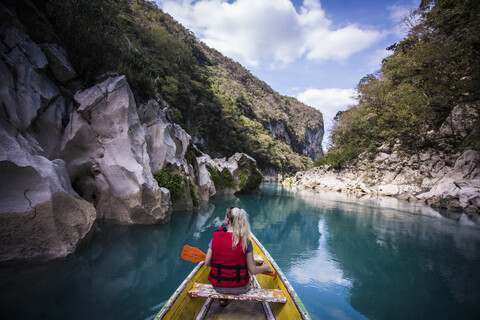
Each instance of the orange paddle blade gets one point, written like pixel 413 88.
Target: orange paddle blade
pixel 192 254
pixel 273 274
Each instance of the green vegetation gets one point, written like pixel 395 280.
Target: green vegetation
pixel 212 97
pixel 192 194
pixel 433 69
pixel 226 178
pixel 214 175
pixel 222 179
pixel 241 183
pixel 172 181
pixel 250 184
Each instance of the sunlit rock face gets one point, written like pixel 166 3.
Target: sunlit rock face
pixel 445 178
pixel 310 144
pixel 313 142
pixel 206 187
pixel 106 151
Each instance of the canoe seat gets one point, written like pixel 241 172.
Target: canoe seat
pixel 204 290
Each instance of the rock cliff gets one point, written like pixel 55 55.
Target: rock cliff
pixel 446 179
pixel 68 160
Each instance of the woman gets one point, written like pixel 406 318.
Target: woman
pixel 230 255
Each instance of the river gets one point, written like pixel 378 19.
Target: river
pixel 347 258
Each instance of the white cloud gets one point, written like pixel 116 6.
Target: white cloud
pixel 376 58
pixel 253 31
pixel 323 44
pixel 397 14
pixel 329 102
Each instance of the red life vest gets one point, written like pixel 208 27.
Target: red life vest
pixel 229 266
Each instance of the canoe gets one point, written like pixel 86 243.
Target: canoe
pixel 183 305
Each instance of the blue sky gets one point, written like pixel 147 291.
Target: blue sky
pixel 314 50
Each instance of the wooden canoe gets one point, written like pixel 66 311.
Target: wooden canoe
pixel 183 305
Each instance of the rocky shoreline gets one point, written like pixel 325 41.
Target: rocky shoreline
pixel 445 177
pixel 443 182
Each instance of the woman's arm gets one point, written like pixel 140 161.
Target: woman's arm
pixel 253 268
pixel 208 258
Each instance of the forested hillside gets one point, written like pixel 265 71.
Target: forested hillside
pixel 220 104
pixel 434 69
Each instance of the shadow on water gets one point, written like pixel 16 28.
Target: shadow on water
pixel 346 257
pixel 126 272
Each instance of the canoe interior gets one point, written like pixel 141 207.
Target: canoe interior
pixel 182 306
pixel 247 310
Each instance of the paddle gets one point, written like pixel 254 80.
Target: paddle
pixel 196 255
pixel 192 254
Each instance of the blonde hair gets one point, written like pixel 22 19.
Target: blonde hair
pixel 241 227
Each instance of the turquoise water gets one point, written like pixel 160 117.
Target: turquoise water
pixel 347 258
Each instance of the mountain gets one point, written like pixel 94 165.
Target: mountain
pixel 218 102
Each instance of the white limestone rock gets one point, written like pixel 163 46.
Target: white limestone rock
pixel 106 151
pixel 459 123
pixel 442 181
pixel 41 217
pixel 27 89
pixel 166 142
pixel 243 171
pixel 49 126
pixel 206 187
pixel 388 190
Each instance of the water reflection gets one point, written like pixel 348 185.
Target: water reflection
pixel 205 212
pixel 319 270
pixel 287 226
pixel 406 266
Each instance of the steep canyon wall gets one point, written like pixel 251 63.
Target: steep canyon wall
pixel 71 156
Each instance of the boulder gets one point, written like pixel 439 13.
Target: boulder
pixel 388 190
pixel 206 187
pixel 106 150
pixel 41 217
pixel 461 121
pixel 169 146
pixel 237 174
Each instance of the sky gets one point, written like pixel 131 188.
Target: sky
pixel 314 50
